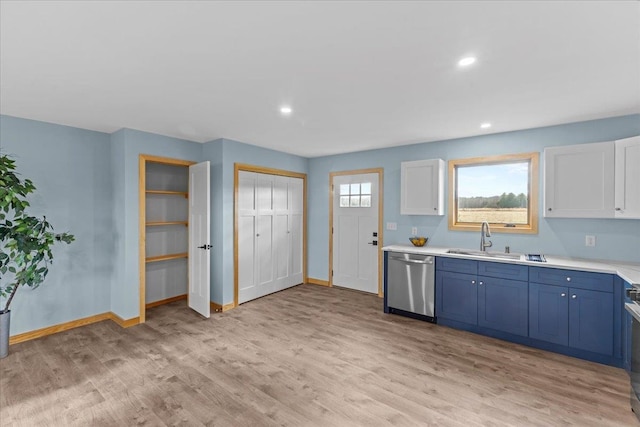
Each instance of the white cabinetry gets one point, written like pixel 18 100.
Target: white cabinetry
pixel 600 180
pixel 270 233
pixel 422 187
pixel 627 178
pixel 579 181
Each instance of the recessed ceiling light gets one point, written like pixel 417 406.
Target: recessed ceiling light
pixel 465 62
pixel 286 110
pixel 485 125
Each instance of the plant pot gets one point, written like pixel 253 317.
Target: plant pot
pixel 5 318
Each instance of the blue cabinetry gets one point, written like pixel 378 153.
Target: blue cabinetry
pixel 548 313
pixel 576 313
pixel 502 305
pixel 457 296
pixel 572 308
pixel 482 294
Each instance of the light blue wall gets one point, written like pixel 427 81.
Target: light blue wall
pixel 88 184
pixel 125 287
pixel 70 168
pixel 616 239
pixel 236 152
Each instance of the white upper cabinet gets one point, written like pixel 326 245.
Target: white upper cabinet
pixel 627 178
pixel 422 187
pixel 600 180
pixel 579 181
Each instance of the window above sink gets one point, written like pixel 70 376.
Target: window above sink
pixel 502 190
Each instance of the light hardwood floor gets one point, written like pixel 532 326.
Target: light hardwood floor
pixel 307 356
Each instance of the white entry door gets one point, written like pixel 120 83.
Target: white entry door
pixel 199 245
pixel 355 232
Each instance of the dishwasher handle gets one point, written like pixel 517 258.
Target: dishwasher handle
pixel 428 260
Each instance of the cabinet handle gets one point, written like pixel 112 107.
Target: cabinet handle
pixel 568 279
pixel 618 209
pixel 574 296
pixel 473 282
pixel 563 294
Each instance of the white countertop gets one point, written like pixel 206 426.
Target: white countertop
pixel 627 271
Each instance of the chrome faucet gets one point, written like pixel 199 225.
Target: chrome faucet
pixel 485 232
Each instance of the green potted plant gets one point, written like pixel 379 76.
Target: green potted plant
pixel 26 243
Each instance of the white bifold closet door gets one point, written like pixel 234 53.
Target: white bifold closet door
pixel 270 225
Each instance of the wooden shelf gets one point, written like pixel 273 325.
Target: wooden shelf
pixel 166 257
pixel 169 193
pixel 160 223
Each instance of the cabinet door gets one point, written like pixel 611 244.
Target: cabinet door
pixel 591 321
pixel 579 181
pixel 457 297
pixel 627 178
pixel 548 313
pixel 503 305
pixel 422 187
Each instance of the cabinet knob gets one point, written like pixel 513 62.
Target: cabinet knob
pixel 473 282
pixel 574 296
pixel 549 209
pixel 481 283
pixel 618 209
pixel 563 294
pixel 257 235
pixel 435 209
pixel 568 279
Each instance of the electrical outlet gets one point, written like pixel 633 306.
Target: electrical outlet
pixel 589 240
pixel 414 231
pixel 392 226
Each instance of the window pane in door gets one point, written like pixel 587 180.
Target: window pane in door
pixel 344 201
pixel 365 188
pixel 344 189
pixel 365 201
pixel 355 201
pixel 355 189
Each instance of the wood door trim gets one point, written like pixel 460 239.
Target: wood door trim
pixel 380 172
pixel 142 222
pixel 237 167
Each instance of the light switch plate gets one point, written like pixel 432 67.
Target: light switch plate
pixel 414 231
pixel 590 240
pixel 392 226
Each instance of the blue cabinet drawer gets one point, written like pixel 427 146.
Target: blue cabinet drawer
pixel 576 279
pixel 457 265
pixel 503 271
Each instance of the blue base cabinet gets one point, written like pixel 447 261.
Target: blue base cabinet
pixel 458 297
pixel 580 315
pixel 571 312
pixel 502 305
pixel 591 321
pixel 491 300
pixel 549 313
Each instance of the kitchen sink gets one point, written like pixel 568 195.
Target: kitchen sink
pixel 487 254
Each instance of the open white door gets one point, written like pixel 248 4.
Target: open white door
pixel 199 245
pixel 355 232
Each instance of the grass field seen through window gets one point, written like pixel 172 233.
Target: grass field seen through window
pixel 494 215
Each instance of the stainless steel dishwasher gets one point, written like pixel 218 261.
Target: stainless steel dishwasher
pixel 411 285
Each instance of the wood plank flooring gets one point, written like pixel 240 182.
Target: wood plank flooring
pixel 307 356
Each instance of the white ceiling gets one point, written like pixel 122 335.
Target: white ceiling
pixel 358 75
